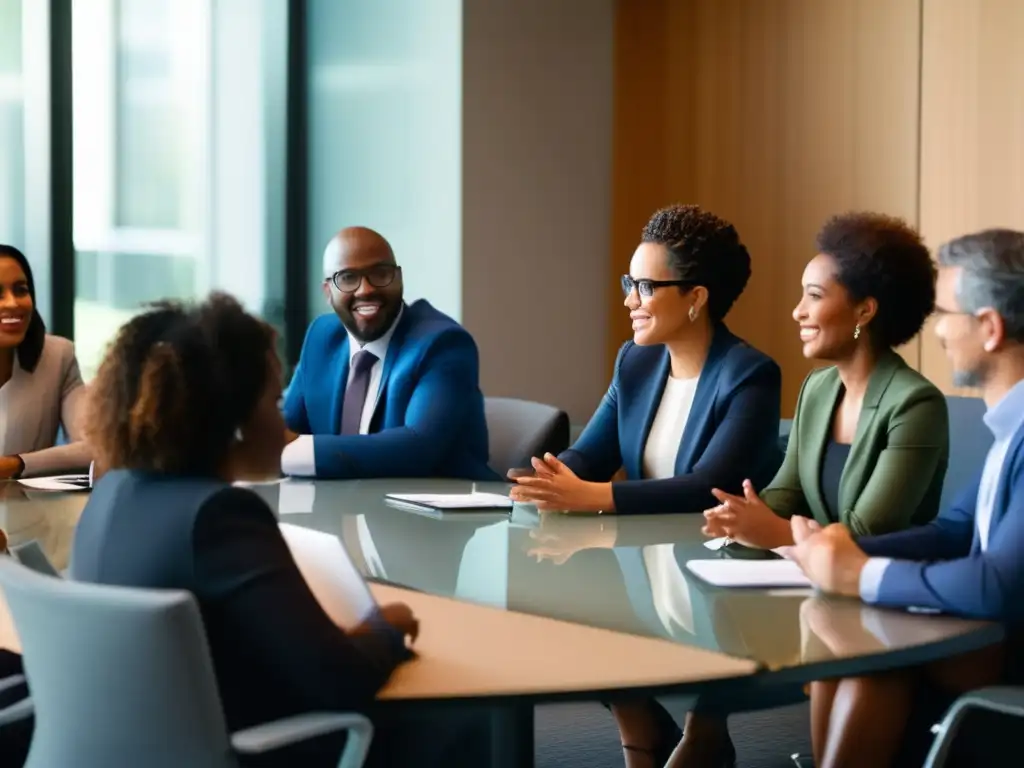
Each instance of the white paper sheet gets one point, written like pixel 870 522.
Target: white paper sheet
pixel 331 575
pixel 749 573
pixel 297 497
pixel 716 544
pixel 57 483
pixel 477 500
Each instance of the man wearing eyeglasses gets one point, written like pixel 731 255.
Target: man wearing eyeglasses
pixel 382 388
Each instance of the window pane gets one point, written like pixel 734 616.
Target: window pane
pixel 174 142
pixel 12 121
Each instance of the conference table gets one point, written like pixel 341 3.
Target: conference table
pixel 526 608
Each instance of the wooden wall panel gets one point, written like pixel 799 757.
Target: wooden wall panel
pixel 972 128
pixel 776 115
pixel 639 140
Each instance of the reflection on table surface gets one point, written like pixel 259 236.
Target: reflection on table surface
pixel 622 573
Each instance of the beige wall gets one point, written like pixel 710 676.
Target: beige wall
pixel 777 113
pixel 537 122
pixel 972 128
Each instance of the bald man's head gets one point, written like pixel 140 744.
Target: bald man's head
pixel 362 282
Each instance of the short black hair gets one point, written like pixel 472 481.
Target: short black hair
pixel 176 384
pixel 703 250
pixel 31 347
pixel 884 258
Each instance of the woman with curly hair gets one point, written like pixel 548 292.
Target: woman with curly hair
pixel 870 441
pixel 185 403
pixel 691 407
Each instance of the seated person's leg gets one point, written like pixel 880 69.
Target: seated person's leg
pixel 868 720
pixel 823 694
pixel 647 732
pixel 15 738
pixel 427 738
pixel 882 705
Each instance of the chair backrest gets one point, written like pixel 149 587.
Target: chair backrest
pixel 785 428
pixel 521 429
pixel 118 676
pixel 31 555
pixel 969 441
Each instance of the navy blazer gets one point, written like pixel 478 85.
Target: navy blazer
pixel 941 565
pixel 732 432
pixel 275 652
pixel 429 420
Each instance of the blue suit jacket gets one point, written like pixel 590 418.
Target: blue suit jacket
pixel 941 565
pixel 429 420
pixel 732 432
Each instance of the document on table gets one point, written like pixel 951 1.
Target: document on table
pixel 476 501
pixel 331 575
pixel 58 483
pixel 749 573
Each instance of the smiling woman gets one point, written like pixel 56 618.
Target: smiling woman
pixel 41 388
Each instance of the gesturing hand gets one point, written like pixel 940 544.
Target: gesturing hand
pixel 746 519
pixel 829 556
pixel 554 486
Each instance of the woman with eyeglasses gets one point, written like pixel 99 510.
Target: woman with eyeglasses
pixel 691 407
pixel 41 388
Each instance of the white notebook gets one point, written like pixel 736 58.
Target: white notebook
pixel 749 573
pixel 448 502
pixel 331 575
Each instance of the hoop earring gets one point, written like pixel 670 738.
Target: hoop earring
pixel 856 332
pixel 693 314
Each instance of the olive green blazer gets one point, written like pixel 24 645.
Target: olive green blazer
pixel 893 476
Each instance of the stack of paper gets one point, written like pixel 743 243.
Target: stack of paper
pixel 453 501
pixel 749 573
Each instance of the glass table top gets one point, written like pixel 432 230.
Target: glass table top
pixel 622 573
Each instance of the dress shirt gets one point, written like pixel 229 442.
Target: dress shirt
pixel 662 446
pixel 1003 419
pixel 299 456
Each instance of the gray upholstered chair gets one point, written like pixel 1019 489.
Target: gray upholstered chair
pixel 123 676
pixel 521 429
pixel 1005 700
pixel 969 441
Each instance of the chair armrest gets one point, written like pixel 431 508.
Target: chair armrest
pixel 10 681
pixel 1003 699
pixel 17 711
pixel 289 730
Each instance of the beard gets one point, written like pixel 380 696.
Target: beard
pixel 971 379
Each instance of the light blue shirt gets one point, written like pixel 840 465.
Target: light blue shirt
pixel 1003 419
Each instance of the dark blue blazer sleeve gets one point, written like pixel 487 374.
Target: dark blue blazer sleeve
pixel 596 456
pixel 946 537
pixel 978 584
pixel 434 419
pixel 243 563
pixel 746 438
pixel 294 409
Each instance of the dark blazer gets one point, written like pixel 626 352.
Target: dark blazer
pixel 429 420
pixel 893 476
pixel 941 565
pixel 275 652
pixel 732 432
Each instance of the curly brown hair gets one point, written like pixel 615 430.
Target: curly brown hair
pixel 176 384
pixel 703 250
pixel 884 258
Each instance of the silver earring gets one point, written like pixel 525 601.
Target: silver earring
pixel 856 332
pixel 238 435
pixel 693 314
